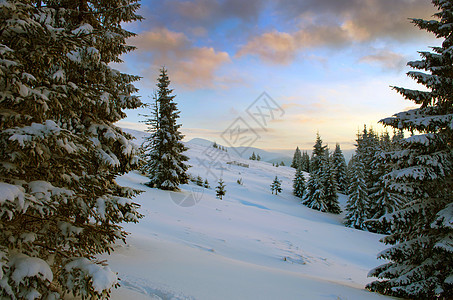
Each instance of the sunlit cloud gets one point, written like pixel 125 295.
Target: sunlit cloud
pixel 190 66
pixel 337 24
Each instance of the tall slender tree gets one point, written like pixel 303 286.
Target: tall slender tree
pixel 59 150
pixel 305 162
pixel 276 186
pixel 297 159
pixel 165 163
pixel 299 184
pixel 321 188
pixel 340 169
pixel 357 206
pixel 220 189
pixel 420 260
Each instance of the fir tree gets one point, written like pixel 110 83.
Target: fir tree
pixel 420 260
pixel 305 162
pixel 297 159
pixel 383 201
pixel 318 155
pixel 199 181
pixel 330 188
pixel 206 184
pixel 253 156
pixel 282 163
pixel 150 158
pixel 276 186
pixel 340 170
pixel 258 157
pixel 215 145
pixel 59 150
pixel 321 188
pixel 165 164
pixel 357 204
pixel 220 189
pixel 299 184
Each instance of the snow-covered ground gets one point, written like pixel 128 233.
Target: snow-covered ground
pixel 250 245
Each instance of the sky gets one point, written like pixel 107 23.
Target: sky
pixel 271 74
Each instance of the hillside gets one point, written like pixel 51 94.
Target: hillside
pixel 251 245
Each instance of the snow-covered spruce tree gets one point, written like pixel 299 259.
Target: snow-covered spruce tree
pixel 59 150
pixel 358 203
pixel 305 162
pixel 276 186
pixel 421 256
pixel 318 154
pixel 220 189
pixel 314 198
pixel 321 188
pixel 330 187
pixel 165 162
pixel 297 159
pixel 299 184
pixel 149 158
pixel 340 169
pixel 383 201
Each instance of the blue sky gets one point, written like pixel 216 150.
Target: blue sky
pixel 328 64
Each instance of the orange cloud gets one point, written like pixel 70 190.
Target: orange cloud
pixel 275 47
pixel 344 22
pixel 189 66
pixel 281 47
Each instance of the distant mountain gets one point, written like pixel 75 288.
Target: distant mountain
pixel 139 136
pixel 246 152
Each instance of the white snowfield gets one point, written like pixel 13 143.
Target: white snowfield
pixel 250 245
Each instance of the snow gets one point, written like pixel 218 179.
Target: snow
pixel 250 245
pixel 101 276
pixel 27 133
pixel 83 29
pixel 26 266
pixel 10 192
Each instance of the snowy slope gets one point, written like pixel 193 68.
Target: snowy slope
pixel 251 245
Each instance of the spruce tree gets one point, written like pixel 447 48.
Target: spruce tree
pixel 383 201
pixel 420 259
pixel 357 204
pixel 317 155
pixel 220 189
pixel 206 184
pixel 258 157
pixel 330 187
pixel 340 169
pixel 59 150
pixel 253 156
pixel 305 162
pixel 321 188
pixel 297 159
pixel 166 164
pixel 199 181
pixel 299 185
pixel 276 186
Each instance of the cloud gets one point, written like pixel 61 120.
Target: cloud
pixel 276 47
pixel 189 66
pixel 209 12
pixel 335 24
pixel 364 19
pixel 281 47
pixel 386 59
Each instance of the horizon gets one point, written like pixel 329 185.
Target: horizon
pixel 317 62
